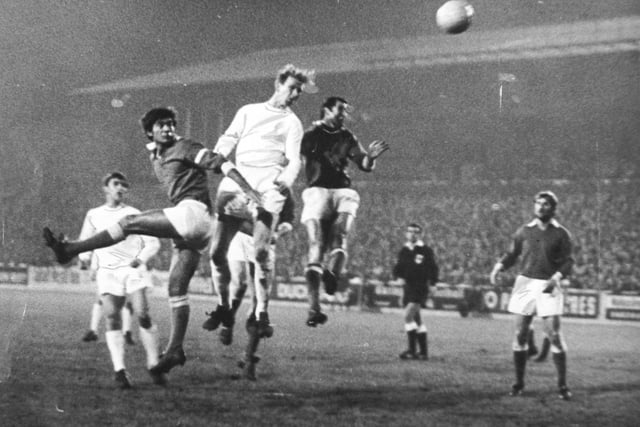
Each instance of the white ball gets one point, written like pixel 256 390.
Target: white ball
pixel 454 16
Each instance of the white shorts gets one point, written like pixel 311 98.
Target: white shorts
pixel 193 222
pixel 527 298
pixel 122 281
pixel 232 201
pixel 320 203
pixel 242 248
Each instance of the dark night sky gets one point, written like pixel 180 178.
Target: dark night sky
pixel 63 44
pixel 49 47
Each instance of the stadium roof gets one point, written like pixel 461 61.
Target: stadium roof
pixel 569 39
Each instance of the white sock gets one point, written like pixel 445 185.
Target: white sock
pixel 126 320
pixel 96 314
pixel 262 293
pixel 115 342
pixel 150 342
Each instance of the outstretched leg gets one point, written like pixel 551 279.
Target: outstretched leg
pixel 151 223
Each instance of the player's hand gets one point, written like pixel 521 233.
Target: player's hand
pixel 254 197
pixel 282 188
pixel 283 228
pixel 552 284
pixel 135 263
pixel 376 148
pixel 493 277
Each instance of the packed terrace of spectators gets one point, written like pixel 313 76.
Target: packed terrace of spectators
pixel 468 225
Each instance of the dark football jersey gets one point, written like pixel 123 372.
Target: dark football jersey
pixel 417 266
pixel 543 251
pixel 327 153
pixel 180 176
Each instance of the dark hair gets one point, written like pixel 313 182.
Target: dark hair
pixel 115 175
pixel 415 225
pixel 331 102
pixel 147 121
pixel 549 196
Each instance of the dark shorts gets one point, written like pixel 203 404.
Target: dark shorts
pixel 413 295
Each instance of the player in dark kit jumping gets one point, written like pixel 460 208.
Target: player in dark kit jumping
pixel 329 205
pixel 545 248
pixel 181 166
pixel 417 268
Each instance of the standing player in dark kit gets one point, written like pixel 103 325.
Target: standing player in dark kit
pixel 181 166
pixel 545 247
pixel 417 268
pixel 329 205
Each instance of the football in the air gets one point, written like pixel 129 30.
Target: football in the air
pixel 454 17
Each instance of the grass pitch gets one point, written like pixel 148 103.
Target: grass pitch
pixel 344 373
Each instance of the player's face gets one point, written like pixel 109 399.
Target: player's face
pixel 543 209
pixel 412 234
pixel 116 190
pixel 288 92
pixel 337 114
pixel 164 131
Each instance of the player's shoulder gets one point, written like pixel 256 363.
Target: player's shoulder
pixel 187 145
pixel 252 106
pixel 130 210
pixel 314 127
pixel 561 228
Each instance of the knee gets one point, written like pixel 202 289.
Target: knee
pixel 127 222
pixel 339 240
pixel 144 320
pixel 522 337
pixel 218 257
pixel 262 254
pixel 265 217
pixel 557 343
pixel 177 287
pixel 113 320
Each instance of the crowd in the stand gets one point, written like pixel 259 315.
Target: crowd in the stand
pixel 468 226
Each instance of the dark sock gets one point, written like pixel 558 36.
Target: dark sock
pixel 235 304
pixel 99 240
pixel 560 360
pixel 179 323
pixel 544 350
pixel 411 338
pixel 336 263
pixel 252 343
pixel 422 342
pixel 520 363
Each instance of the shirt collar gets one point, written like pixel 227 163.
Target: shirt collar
pixel 537 222
pixel 413 245
pixel 153 146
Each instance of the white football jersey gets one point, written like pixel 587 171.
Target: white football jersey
pixel 264 137
pixel 122 253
